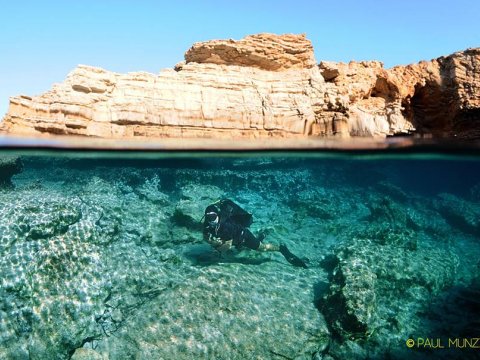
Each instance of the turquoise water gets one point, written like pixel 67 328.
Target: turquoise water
pixel 102 256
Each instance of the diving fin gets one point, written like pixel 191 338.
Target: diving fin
pixel 261 236
pixel 292 259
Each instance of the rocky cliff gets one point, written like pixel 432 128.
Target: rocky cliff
pixel 261 86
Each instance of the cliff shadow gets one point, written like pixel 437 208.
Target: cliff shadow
pixel 444 108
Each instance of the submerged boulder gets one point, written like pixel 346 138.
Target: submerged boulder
pixel 350 305
pixel 379 286
pixel 87 354
pixel 51 285
pixel 460 214
pixel 9 166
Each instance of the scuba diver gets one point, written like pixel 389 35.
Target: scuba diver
pixel 226 225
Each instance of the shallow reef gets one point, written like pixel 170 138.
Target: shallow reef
pixel 104 259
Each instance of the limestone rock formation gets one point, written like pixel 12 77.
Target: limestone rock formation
pixel 438 97
pixel 369 283
pixel 261 86
pixel 263 51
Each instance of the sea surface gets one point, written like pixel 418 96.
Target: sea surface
pixel 102 256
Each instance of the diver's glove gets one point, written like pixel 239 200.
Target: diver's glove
pixel 292 259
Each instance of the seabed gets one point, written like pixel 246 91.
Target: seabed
pixel 102 256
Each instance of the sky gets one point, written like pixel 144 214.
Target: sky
pixel 42 41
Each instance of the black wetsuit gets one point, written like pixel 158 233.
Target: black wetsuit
pixel 229 230
pixel 232 225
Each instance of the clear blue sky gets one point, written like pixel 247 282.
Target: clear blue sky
pixel 41 41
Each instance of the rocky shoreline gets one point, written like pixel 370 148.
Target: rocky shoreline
pixel 262 86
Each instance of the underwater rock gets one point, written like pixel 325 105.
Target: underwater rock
pixel 109 269
pixel 351 350
pixel 224 312
pixel 378 287
pixel 49 218
pixel 191 207
pixel 321 203
pixel 475 192
pixel 459 214
pixel 456 311
pixel 65 259
pixel 87 354
pixel 44 257
pixel 315 202
pixel 384 210
pixel 151 191
pixel 350 305
pixel 9 166
pixel 391 190
pixel 426 219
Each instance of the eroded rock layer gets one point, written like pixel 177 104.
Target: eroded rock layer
pixel 263 85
